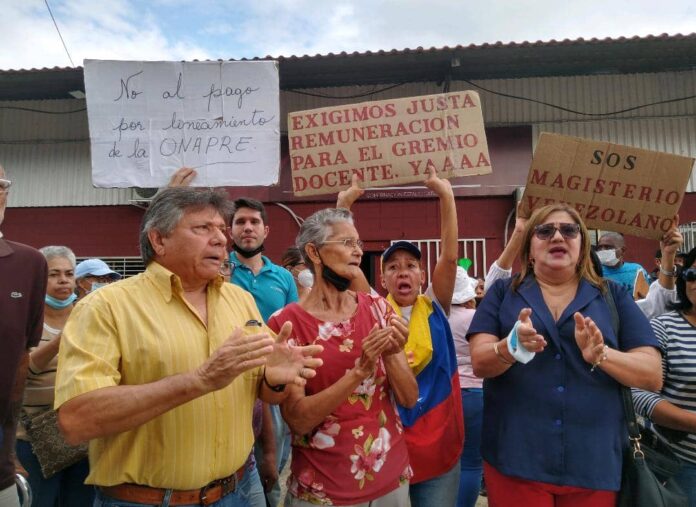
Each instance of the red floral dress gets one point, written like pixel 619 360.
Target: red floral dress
pixel 358 453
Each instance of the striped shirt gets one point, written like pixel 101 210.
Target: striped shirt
pixel 38 393
pixel 678 343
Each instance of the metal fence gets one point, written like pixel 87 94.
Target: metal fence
pixel 689 233
pixel 472 248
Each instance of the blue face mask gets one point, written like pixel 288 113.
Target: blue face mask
pixel 97 285
pixel 59 304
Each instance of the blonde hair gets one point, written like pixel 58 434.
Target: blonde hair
pixel 585 269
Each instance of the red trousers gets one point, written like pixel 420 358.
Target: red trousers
pixel 505 491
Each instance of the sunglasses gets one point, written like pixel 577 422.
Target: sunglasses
pixel 689 275
pixel 548 231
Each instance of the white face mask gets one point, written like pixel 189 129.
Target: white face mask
pixel 608 257
pixel 305 278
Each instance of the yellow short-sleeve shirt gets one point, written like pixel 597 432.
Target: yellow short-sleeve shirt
pixel 138 331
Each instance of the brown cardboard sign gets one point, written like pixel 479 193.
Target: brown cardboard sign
pixel 387 142
pixel 613 187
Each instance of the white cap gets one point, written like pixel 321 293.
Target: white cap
pixel 464 287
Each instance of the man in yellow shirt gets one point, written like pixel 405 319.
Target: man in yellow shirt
pixel 160 371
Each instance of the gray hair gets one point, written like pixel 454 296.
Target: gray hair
pixel 53 251
pixel 170 204
pixel 317 227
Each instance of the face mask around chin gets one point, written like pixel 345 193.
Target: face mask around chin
pixel 59 304
pixel 305 278
pixel 608 257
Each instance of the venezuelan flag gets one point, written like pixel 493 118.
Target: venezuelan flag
pixel 434 427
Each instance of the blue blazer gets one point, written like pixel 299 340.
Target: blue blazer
pixel 552 420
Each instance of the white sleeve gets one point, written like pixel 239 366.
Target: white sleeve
pixel 655 302
pixel 495 273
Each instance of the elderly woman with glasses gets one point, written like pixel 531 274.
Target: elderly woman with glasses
pixel 673 406
pixel 348 442
pixel 553 423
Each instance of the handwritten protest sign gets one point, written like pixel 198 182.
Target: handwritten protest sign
pixel 613 187
pixel 387 142
pixel 147 119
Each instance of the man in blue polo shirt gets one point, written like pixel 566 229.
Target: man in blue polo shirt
pixel 272 287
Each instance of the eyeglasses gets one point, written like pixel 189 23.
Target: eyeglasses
pixel 548 231
pixel 689 275
pixel 348 243
pixel 5 185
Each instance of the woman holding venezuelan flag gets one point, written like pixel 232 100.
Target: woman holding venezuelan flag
pixel 434 427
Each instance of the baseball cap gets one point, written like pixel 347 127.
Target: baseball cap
pixel 95 267
pixel 401 245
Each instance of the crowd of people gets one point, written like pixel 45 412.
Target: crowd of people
pixel 197 381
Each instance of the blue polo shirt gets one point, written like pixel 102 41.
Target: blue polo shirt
pixel 552 420
pixel 273 287
pixel 624 275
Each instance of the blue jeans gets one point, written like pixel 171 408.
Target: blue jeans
pixel 66 488
pixel 440 491
pixel 686 479
pixel 235 499
pixel 250 486
pixel 283 442
pixel 471 463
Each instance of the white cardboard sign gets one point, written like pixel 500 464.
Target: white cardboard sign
pixel 147 119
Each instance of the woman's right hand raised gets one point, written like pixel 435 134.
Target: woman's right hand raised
pixel 527 335
pixel 376 342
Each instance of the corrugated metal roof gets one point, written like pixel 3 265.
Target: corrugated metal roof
pixel 588 94
pixel 485 61
pixel 46 155
pixel 433 49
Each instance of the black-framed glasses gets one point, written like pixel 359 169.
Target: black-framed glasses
pixel 548 231
pixel 348 243
pixel 5 185
pixel 689 275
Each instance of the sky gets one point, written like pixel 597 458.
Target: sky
pixel 224 29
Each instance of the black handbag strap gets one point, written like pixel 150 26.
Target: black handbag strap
pixel 626 396
pixel 630 413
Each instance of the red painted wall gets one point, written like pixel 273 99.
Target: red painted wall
pixel 113 230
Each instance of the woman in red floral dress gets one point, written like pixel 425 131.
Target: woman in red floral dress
pixel 348 444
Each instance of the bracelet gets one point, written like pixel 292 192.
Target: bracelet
pixel 672 273
pixel 601 358
pixel 276 389
pixel 499 354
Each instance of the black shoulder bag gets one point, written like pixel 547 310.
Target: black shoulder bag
pixel 647 468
